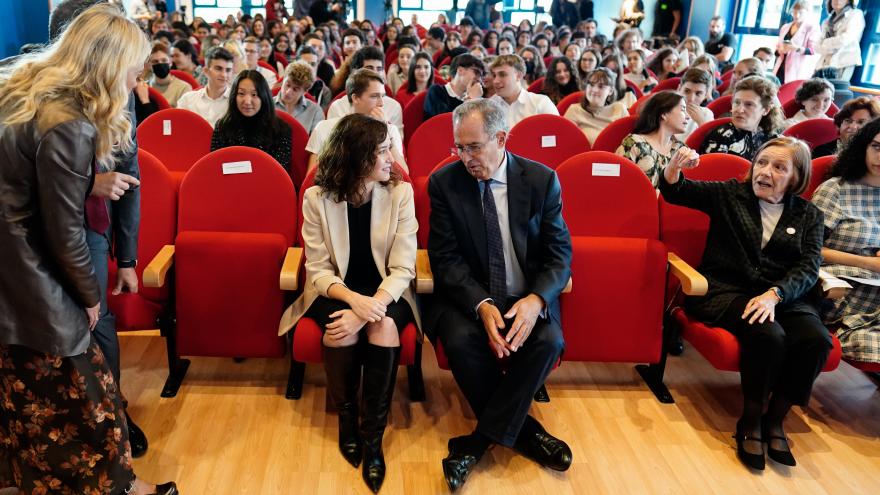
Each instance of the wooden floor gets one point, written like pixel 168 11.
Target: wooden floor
pixel 230 431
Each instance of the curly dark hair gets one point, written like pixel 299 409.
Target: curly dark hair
pixel 349 155
pixel 851 162
pixel 552 88
pixel 813 87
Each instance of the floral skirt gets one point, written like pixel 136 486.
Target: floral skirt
pixel 62 424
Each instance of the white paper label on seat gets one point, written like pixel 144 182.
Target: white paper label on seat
pixel 237 168
pixel 548 141
pixel 166 127
pixel 606 169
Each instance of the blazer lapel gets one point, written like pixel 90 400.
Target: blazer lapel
pixel 472 208
pixel 518 201
pixel 379 225
pixel 786 221
pixel 337 225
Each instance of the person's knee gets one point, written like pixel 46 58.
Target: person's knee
pixel 383 333
pixel 548 339
pixel 768 335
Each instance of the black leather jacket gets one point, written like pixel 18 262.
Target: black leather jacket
pixel 46 279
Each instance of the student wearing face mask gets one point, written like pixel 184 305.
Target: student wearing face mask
pixel 534 64
pixel 652 144
pixel 251 120
pixel 162 81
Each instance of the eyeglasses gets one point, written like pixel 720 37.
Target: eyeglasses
pixel 860 122
pixel 470 149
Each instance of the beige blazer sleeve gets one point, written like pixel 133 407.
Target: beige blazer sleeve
pixel 320 266
pixel 401 252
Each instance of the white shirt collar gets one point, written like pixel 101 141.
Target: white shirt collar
pixel 225 94
pixel 500 174
pixel 451 91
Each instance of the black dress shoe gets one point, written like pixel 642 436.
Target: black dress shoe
pixel 535 443
pixel 457 466
pixel 754 461
pixel 136 438
pixel 169 488
pixel 781 456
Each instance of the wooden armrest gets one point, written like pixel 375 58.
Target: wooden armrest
pixel 424 276
pixel 289 278
pixel 567 288
pixel 833 287
pixel 155 272
pixel 692 283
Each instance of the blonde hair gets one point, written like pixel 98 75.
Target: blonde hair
pixel 236 50
pixel 84 70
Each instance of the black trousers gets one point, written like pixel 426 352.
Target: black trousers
pixel 105 331
pixel 500 393
pixel 782 357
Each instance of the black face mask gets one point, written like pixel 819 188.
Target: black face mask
pixel 161 70
pixel 530 67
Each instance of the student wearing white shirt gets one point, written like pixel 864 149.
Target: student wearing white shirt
pixel 369 57
pixel 212 101
pixel 695 86
pixel 507 74
pixel 365 93
pixel 252 58
pixel 814 97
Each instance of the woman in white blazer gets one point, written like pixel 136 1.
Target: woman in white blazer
pixel 359 229
pixel 839 49
pixel 796 48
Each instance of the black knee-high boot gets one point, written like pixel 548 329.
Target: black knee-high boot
pixel 343 376
pixel 380 374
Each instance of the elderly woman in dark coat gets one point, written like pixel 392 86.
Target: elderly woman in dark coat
pixel 762 259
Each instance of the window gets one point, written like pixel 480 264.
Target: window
pixel 869 73
pixel 513 11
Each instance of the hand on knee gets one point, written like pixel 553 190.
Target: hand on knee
pixel 346 341
pixel 383 333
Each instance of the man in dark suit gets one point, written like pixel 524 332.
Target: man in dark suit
pixel 501 255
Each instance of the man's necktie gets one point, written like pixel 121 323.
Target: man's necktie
pixel 495 248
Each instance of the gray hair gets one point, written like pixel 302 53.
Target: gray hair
pixel 494 115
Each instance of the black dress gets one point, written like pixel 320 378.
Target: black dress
pixel 362 276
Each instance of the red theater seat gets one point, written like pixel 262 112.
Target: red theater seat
pixel 667 84
pixel 237 219
pixel 430 144
pixel 787 91
pixel 547 139
pixel 413 116
pixel 177 137
pixel 695 140
pixel 537 86
pixel 818 174
pixel 720 105
pixel 306 341
pixel 611 137
pixel 183 76
pixel 815 132
pixel 143 310
pixel 157 98
pixel 618 258
pixel 299 157
pixel 568 101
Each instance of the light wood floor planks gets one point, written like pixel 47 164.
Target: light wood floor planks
pixel 230 431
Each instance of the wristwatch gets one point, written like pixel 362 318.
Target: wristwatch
pixel 126 263
pixel 778 292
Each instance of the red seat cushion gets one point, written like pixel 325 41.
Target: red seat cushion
pixel 721 348
pixel 307 343
pixel 610 275
pixel 229 301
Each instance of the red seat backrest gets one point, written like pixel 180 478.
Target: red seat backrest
pixel 187 140
pixel 299 157
pixel 611 137
pixel 267 65
pixel 671 83
pixel 433 140
pixel 158 223
pixel 820 168
pixel 684 230
pixel 423 201
pixel 606 195
pixel 786 91
pixel 695 140
pixel 727 75
pixel 262 200
pixel 568 101
pixel 390 57
pixel 157 98
pixel 720 105
pixel 413 115
pixel 183 76
pixel 537 86
pixel 547 139
pixel 814 131
pixel 634 108
pixel 635 87
pixel 791 107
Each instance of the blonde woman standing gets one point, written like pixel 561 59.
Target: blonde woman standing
pixel 64 114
